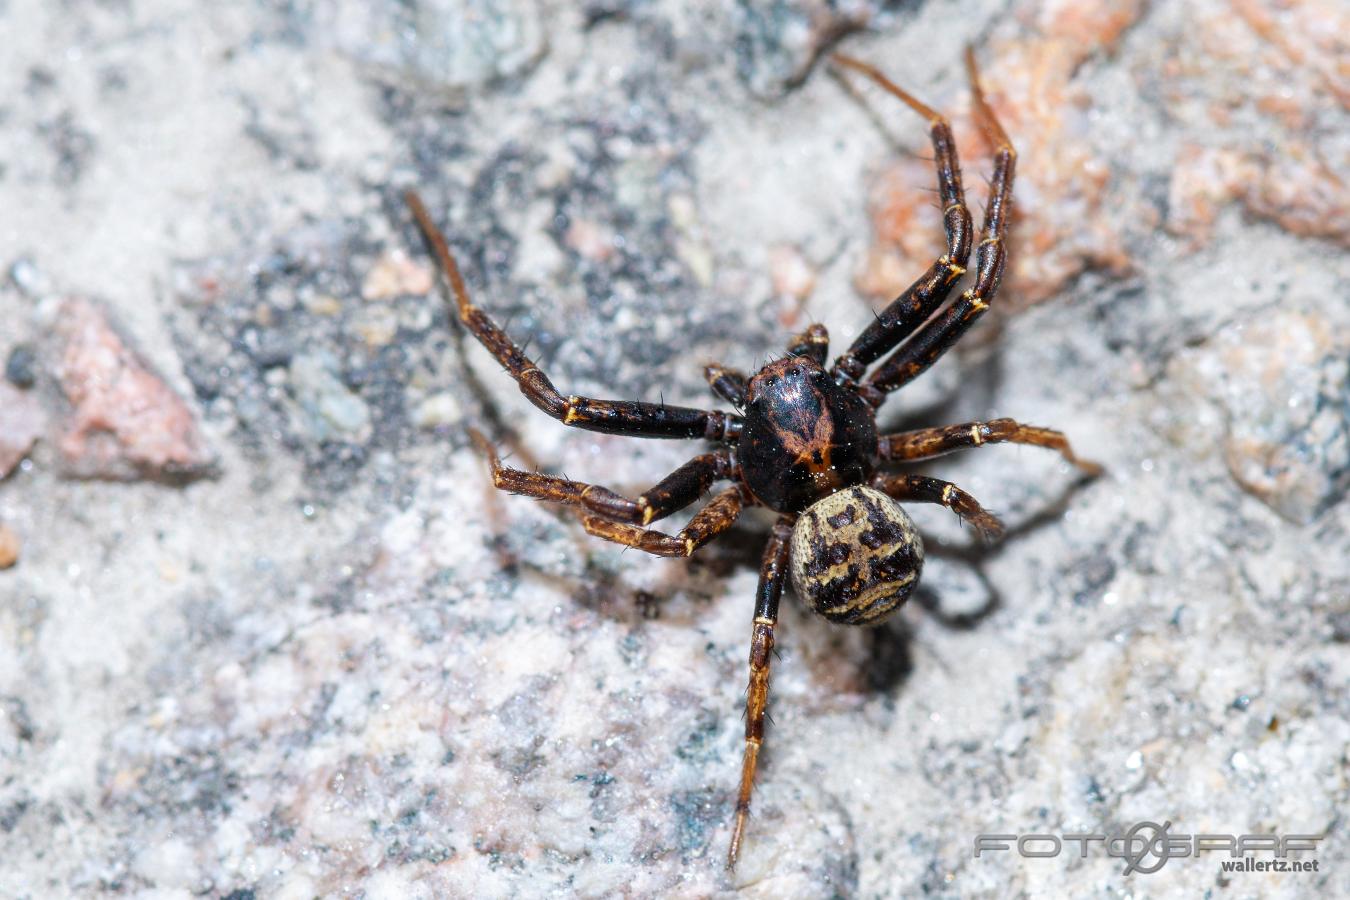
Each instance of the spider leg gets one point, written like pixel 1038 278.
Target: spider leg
pixel 707 523
pixel 813 343
pixel 927 443
pixel 674 492
pixel 922 489
pixel 729 384
pixel 626 417
pixel 917 303
pixel 772 572
pixel 938 336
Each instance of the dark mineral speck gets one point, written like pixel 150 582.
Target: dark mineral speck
pixel 21 366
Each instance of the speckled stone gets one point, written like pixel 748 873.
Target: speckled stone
pixel 124 421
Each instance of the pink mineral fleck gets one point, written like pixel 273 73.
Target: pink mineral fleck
pixel 22 422
pixel 124 421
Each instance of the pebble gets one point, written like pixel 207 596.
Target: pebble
pixel 21 366
pixel 125 422
pixel 376 324
pixel 330 410
pixel 29 279
pixel 592 240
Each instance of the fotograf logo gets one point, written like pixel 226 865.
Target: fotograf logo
pixel 1147 846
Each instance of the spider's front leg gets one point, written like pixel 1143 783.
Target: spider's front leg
pixel 813 343
pixel 917 303
pixel 772 571
pixel 627 417
pixel 615 517
pixel 731 384
pixel 934 339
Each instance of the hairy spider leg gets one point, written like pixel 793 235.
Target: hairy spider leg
pixel 926 443
pixel 729 384
pixel 672 493
pixel 626 417
pixel 772 572
pixel 921 489
pixel 908 311
pixel 937 336
pixel 813 343
pixel 710 521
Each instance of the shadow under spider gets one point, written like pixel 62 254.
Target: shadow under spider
pixel 889 660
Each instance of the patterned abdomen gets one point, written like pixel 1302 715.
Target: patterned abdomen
pixel 855 556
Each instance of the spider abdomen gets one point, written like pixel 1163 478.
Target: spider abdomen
pixel 856 556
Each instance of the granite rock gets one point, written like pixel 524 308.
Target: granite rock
pixel 348 666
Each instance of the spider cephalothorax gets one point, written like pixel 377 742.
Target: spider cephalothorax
pixel 805 443
pixel 804 436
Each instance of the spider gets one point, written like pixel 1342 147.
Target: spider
pixel 804 442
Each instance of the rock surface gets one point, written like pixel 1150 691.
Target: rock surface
pixel 1282 381
pixel 347 666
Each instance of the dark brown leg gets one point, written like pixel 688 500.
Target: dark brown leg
pixel 674 492
pixel 728 384
pixel 921 489
pixel 707 523
pixel 628 417
pixel 930 442
pixel 934 339
pixel 919 301
pixel 813 343
pixel 772 572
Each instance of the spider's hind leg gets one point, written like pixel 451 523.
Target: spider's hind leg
pixel 617 518
pixel 772 573
pixel 921 489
